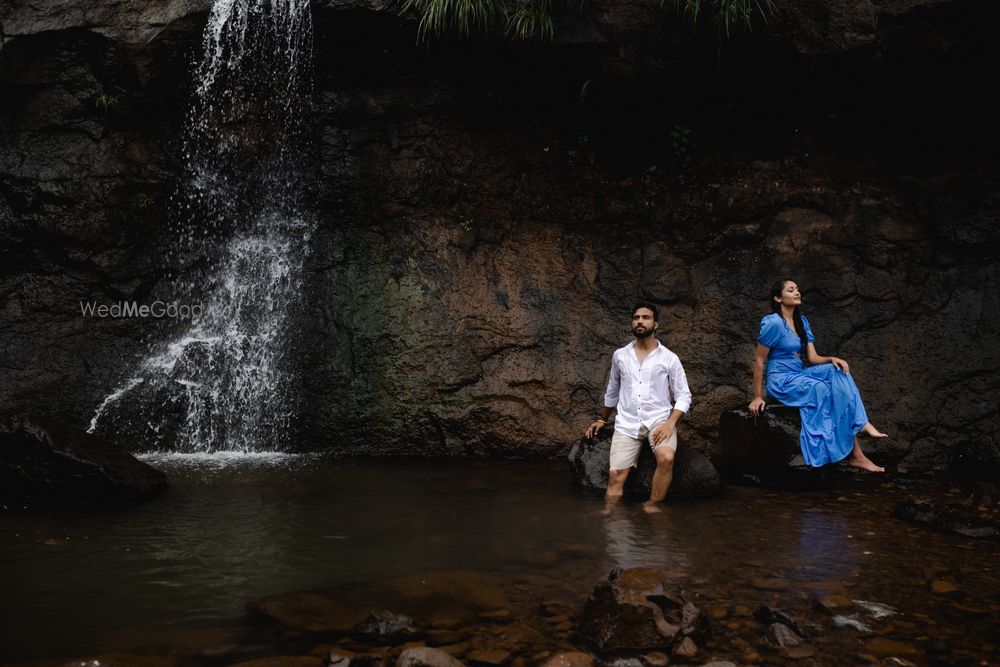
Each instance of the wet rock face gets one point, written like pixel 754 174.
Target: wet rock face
pixel 639 610
pixel 484 230
pixel 694 474
pixel 46 464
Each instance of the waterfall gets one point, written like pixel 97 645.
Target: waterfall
pixel 241 234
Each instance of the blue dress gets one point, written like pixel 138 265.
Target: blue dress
pixel 827 398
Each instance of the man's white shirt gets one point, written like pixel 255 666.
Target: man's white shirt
pixel 645 395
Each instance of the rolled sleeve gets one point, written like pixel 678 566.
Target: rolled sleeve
pixel 614 384
pixel 679 388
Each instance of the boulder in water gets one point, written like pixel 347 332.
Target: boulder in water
pixel 764 450
pixel 47 464
pixel 694 474
pixel 640 610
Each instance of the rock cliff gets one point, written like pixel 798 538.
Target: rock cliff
pixel 489 211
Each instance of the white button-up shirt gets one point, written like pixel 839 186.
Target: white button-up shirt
pixel 645 395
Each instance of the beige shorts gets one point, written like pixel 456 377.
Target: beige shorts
pixel 625 450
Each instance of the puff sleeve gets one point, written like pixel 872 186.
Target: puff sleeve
pixel 809 332
pixel 770 331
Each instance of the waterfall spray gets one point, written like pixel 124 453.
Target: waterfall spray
pixel 241 234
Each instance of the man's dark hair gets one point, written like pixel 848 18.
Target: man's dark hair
pixel 643 304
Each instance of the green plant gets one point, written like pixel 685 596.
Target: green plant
pixel 106 103
pixel 142 200
pixel 680 137
pixel 531 19
pixel 465 223
pixel 519 19
pixel 726 14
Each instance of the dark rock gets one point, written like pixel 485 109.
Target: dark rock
pixel 382 626
pixel 639 610
pixel 44 463
pixel 694 474
pixel 764 450
pixel 978 460
pixel 949 518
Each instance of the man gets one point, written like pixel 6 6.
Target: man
pixel 650 391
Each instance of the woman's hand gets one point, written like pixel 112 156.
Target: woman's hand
pixel 757 406
pixel 840 364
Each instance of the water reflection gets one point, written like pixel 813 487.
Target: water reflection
pixel 826 546
pixel 634 538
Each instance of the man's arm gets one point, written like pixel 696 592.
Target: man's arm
pixel 610 400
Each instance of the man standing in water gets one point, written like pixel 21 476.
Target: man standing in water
pixel 650 391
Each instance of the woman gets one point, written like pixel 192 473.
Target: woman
pixel 825 393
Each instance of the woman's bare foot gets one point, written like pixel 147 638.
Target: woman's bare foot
pixel 870 430
pixel 863 462
pixel 651 508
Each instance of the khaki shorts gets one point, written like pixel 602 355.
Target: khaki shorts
pixel 625 450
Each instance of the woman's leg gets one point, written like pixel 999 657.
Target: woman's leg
pixel 858 459
pixel 870 430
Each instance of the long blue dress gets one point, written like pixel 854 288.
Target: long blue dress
pixel 827 398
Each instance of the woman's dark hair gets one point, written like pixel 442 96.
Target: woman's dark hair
pixel 643 304
pixel 800 328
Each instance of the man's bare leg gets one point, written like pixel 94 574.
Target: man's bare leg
pixel 858 459
pixel 616 488
pixel 661 478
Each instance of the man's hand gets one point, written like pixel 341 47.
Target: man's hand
pixel 661 433
pixel 595 428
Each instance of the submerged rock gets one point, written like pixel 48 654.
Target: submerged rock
pixel 423 656
pixel 953 519
pixel 780 635
pixel 694 474
pixel 443 598
pixel 383 626
pixel 44 463
pixel 570 659
pixel 639 610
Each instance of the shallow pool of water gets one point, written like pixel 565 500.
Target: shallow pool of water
pixel 176 574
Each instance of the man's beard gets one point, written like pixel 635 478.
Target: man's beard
pixel 646 333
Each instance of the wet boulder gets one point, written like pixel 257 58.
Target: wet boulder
pixel 639 610
pixel 950 518
pixel 694 474
pixel 44 463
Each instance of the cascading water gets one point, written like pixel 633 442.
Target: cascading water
pixel 241 236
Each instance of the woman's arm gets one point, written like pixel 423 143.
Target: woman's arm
pixel 816 358
pixel 760 358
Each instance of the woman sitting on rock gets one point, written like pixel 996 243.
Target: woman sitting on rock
pixel 825 393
